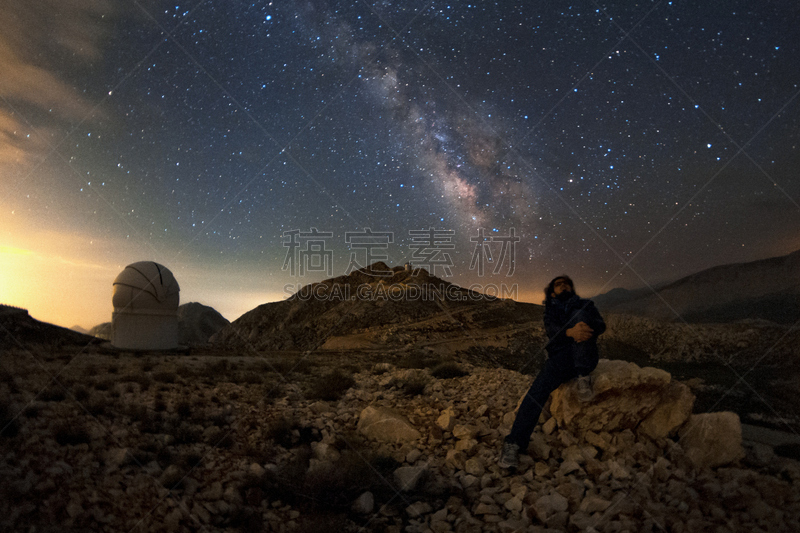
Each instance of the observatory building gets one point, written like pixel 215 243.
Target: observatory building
pixel 145 308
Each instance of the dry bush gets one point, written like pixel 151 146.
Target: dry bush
pixel 9 425
pixel 184 409
pixel 96 405
pixel 165 377
pixel 331 386
pixel 81 393
pixel 419 359
pixel 447 370
pixel 143 380
pixel 273 391
pixel 249 377
pixel 287 365
pixel 72 433
pixel 52 393
pixel 413 387
pixel 104 384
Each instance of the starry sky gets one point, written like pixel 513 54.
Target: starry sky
pixel 624 143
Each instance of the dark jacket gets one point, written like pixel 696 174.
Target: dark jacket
pixel 560 315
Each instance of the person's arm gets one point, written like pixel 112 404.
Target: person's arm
pixel 594 320
pixel 555 329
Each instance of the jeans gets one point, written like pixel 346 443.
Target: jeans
pixel 577 360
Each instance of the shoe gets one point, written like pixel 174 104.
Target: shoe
pixel 583 388
pixel 509 456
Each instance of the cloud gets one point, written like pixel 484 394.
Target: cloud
pixel 37 39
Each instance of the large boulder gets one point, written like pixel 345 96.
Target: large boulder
pixel 626 396
pixel 386 425
pixel 712 439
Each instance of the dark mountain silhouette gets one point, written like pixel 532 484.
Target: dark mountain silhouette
pixel 19 330
pixel 378 305
pixel 197 323
pixel 79 329
pixel 768 289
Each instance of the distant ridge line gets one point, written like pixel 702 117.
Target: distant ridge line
pixel 10 309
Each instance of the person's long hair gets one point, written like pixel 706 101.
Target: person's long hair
pixel 552 285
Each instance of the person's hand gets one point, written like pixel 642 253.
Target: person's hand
pixel 580 332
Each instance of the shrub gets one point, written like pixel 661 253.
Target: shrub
pixel 187 434
pixel 165 377
pixel 81 393
pixel 249 377
pixel 143 380
pixel 414 387
pixel 281 431
pixel 96 406
pixel 418 359
pixel 447 370
pixel 67 433
pixel 331 386
pixel 9 426
pixel 184 409
pixel 273 391
pixel 52 393
pixel 103 384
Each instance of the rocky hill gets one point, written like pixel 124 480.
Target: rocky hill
pixel 382 308
pixel 264 444
pixel 767 289
pixel 18 329
pixel 197 323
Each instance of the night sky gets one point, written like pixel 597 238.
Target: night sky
pixel 622 143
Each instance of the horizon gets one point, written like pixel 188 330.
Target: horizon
pixel 44 313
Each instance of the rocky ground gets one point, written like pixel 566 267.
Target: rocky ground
pixel 117 442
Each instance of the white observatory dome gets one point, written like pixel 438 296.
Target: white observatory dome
pixel 146 298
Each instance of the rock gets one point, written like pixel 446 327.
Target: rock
pixel 456 459
pixel 413 455
pixel 325 452
pixel 447 420
pixel 466 445
pixel 592 503
pixel 675 409
pixel 539 448
pixel 569 466
pixel 417 509
pixel 484 508
pixel 74 509
pixel 385 425
pixel 212 493
pixel 116 457
pixel 257 470
pixel 625 395
pixel 712 439
pixel 172 520
pixel 407 477
pixel 514 505
pixel 550 505
pixel 474 466
pixel 463 431
pixel 364 504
